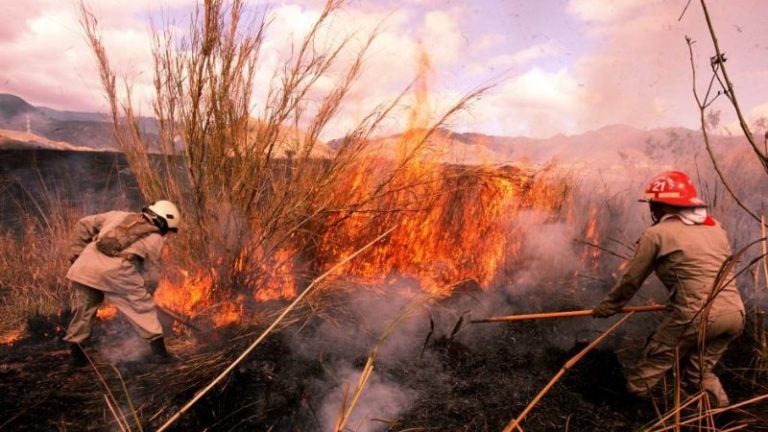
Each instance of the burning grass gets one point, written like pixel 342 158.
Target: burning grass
pixel 264 216
pixel 431 374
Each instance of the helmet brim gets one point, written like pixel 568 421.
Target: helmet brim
pixel 677 202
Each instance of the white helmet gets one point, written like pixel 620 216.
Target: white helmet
pixel 168 214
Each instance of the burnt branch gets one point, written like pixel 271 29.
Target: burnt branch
pixel 702 104
pixel 727 85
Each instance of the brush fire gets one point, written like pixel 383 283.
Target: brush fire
pixel 467 242
pixel 426 248
pixel 225 269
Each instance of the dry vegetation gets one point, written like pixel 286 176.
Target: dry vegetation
pixel 264 217
pixel 253 192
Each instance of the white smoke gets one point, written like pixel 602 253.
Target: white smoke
pixel 381 400
pixel 548 253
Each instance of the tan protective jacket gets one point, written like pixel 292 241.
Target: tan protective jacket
pixel 686 258
pixel 137 268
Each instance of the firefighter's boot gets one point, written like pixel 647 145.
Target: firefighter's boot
pixel 77 357
pixel 159 353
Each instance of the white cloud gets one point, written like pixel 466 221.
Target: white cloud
pixel 442 37
pixel 527 55
pixel 757 119
pixel 535 103
pixel 487 42
pixel 632 67
pixel 604 11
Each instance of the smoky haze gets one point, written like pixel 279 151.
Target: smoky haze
pixel 564 260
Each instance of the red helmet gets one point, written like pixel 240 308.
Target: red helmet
pixel 673 188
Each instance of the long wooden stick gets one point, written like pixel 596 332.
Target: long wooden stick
pixel 269 329
pixel 568 365
pixel 180 319
pixel 566 314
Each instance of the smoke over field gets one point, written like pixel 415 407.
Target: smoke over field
pixel 342 285
pixel 484 241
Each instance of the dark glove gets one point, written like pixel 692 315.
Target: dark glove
pixel 151 287
pixel 603 310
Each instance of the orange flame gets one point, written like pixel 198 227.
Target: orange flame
pixel 457 232
pixel 451 226
pixel 592 253
pixel 106 312
pixel 11 337
pixel 193 295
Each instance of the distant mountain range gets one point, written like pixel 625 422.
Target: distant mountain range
pixel 25 126
pixel 59 130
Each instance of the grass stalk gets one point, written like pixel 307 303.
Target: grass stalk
pixel 108 395
pixel 764 235
pixel 365 375
pixel 678 380
pixel 667 416
pixel 128 398
pixel 112 409
pixel 710 413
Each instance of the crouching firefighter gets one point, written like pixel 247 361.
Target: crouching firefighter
pixel 116 257
pixel 686 248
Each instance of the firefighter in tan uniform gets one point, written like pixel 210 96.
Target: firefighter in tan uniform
pixel 115 257
pixel 686 248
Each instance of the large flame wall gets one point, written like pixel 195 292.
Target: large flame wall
pixel 450 227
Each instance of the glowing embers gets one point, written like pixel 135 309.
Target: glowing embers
pixel 106 312
pixel 11 337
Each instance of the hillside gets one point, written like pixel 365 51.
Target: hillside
pixel 612 148
pixel 78 130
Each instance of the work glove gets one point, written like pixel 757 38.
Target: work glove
pixel 603 310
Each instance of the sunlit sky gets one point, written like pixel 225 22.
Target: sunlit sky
pixel 559 66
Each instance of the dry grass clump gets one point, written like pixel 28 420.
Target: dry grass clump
pixel 34 262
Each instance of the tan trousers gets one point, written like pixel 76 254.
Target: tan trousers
pixel 137 306
pixel 659 355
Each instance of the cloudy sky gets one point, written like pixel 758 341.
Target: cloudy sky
pixel 559 66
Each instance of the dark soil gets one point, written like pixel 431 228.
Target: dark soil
pixel 459 388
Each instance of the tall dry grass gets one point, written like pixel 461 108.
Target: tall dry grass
pixel 251 187
pixel 34 256
pixel 41 210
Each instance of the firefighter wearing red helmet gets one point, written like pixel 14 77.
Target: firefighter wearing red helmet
pixel 686 249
